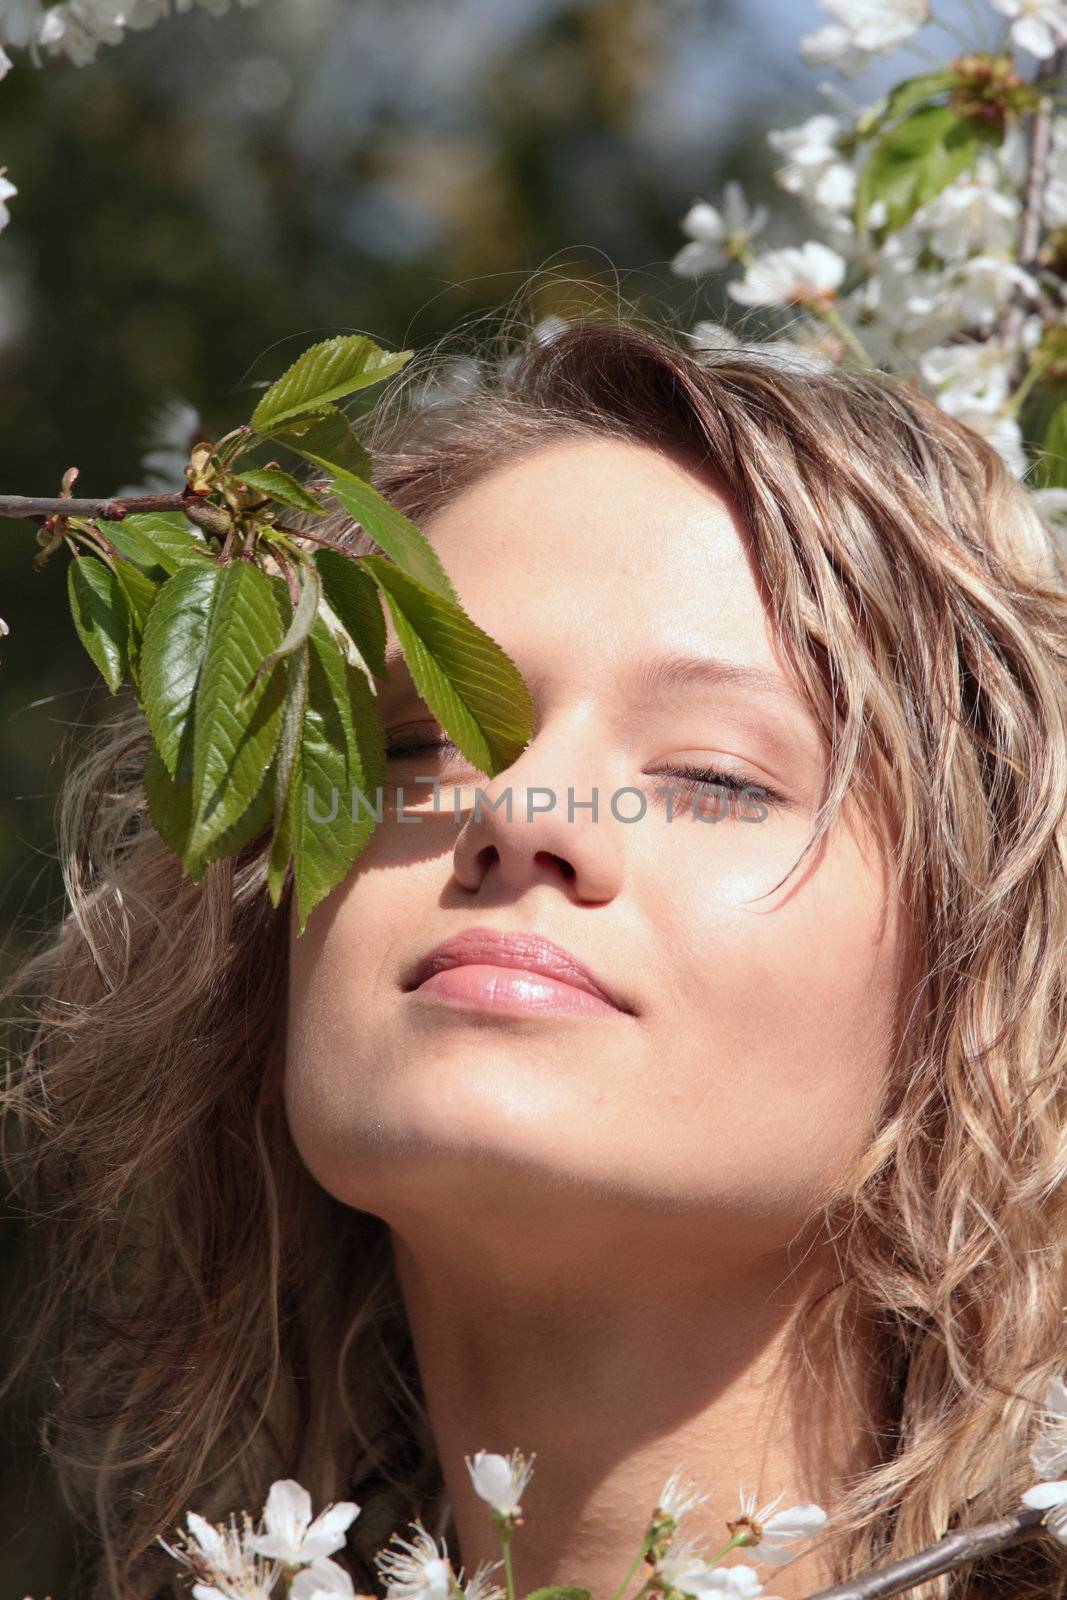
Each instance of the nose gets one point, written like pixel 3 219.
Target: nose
pixel 534 822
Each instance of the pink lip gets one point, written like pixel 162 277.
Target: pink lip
pixel 516 972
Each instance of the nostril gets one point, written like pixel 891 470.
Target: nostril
pixel 565 866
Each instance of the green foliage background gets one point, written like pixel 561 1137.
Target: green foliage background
pixel 210 197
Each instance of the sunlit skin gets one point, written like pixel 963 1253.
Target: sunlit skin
pixel 591 1215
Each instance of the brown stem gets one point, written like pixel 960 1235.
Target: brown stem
pixel 109 510
pixel 316 538
pixel 1014 314
pixel 954 1550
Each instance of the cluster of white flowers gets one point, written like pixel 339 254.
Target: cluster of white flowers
pixel 75 30
pixel 1048 1457
pixel 929 298
pixel 683 1564
pixel 245 1563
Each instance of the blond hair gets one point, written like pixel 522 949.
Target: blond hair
pixel 215 1320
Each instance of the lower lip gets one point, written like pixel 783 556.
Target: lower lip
pixel 511 991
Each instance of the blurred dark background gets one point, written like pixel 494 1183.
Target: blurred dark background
pixel 212 195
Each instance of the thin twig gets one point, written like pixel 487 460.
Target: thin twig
pixel 1011 322
pixel 316 538
pixel 112 509
pixel 954 1550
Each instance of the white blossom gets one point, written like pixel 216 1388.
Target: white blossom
pixel 679 1496
pixel 814 168
pixel 416 1570
pixel 1054 209
pixel 77 30
pixel 972 375
pixel 222 1560
pixel 19 21
pixel 1050 504
pixel 6 62
pixel 290 1535
pixel 983 285
pixel 4 629
pixel 775 1531
pixel 834 46
pixel 685 1568
pixel 479 1587
pixel 1053 1498
pixel 1036 24
pixel 322 1580
pixel 860 29
pixel 713 336
pixel 7 189
pixel 1002 432
pixel 882 296
pixel 500 1480
pixel 1014 154
pixel 1048 1454
pixel 718 236
pixel 971 216
pixel 793 276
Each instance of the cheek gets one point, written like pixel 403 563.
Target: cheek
pixel 326 1016
pixel 344 1008
pixel 793 999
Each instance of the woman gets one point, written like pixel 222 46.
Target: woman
pixel 771 1184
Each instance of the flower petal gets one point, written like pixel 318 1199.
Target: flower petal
pixel 1046 1494
pixel 288 1510
pixel 327 1532
pixel 323 1577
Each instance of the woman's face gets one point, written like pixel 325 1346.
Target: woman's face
pixel 744 1076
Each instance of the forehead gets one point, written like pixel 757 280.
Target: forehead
pixel 586 552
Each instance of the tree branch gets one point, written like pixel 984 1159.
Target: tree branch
pixel 1014 314
pixel 109 510
pixel 954 1550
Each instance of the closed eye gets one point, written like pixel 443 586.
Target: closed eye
pixel 692 780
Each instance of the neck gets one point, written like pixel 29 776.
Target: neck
pixel 615 1367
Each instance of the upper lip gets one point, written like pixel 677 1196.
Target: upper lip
pixel 533 952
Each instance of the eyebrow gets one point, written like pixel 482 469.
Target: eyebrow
pixel 661 673
pixel 654 677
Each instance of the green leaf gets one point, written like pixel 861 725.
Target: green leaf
pixel 281 487
pixel 326 372
pixel 134 549
pixel 174 539
pixel 1037 420
pixel 157 542
pixel 140 592
pixel 395 533
pixel 304 614
pixel 1050 468
pixel 563 1592
pixel 172 653
pixel 341 751
pixel 170 808
pixel 101 616
pixel 353 598
pixel 472 687
pixel 232 746
pixel 168 802
pixel 296 691
pixel 328 440
pixel 914 161
pixel 904 98
pixel 280 852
